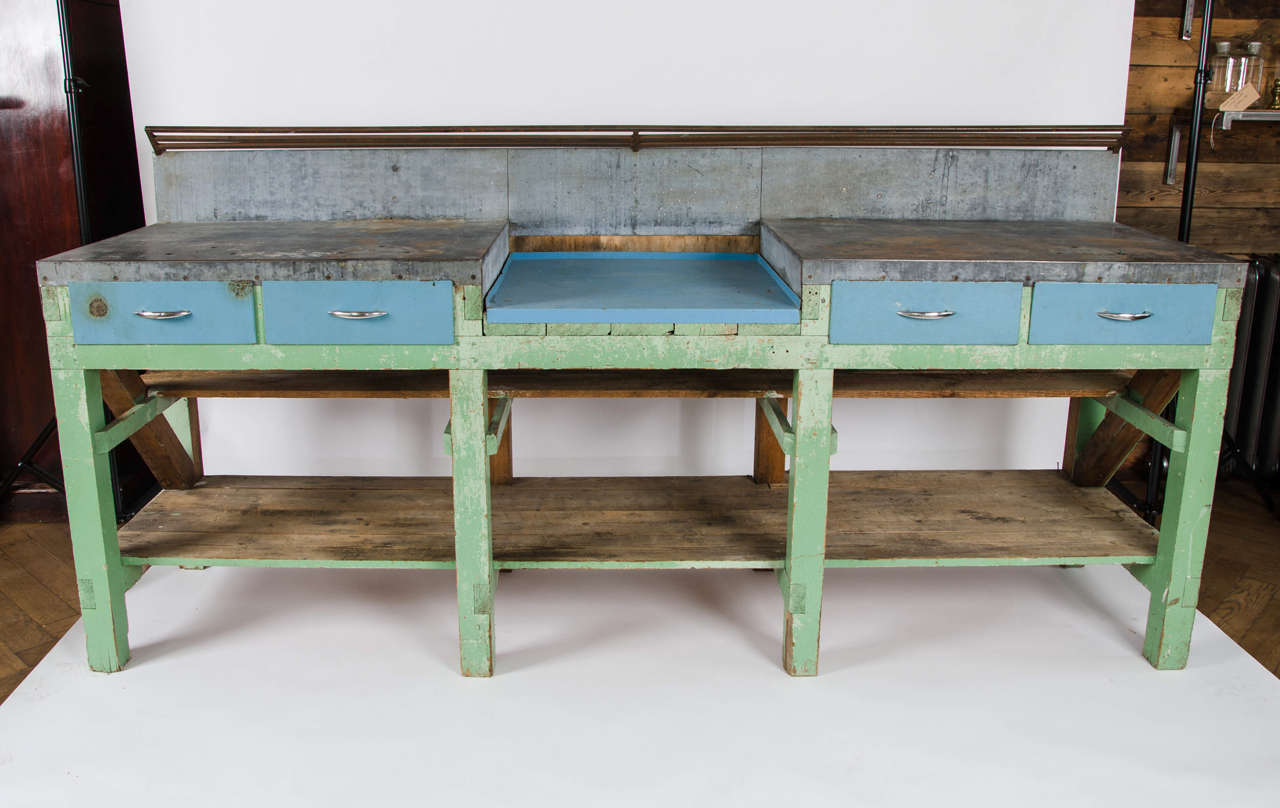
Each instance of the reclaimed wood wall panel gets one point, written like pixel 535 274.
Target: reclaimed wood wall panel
pixel 1237 207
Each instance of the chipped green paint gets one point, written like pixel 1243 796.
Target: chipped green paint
pixel 473 541
pixel 1144 419
pixel 807 520
pixel 137 416
pixel 500 415
pixel 92 518
pixel 1172 574
pixel 1174 578
pixel 775 415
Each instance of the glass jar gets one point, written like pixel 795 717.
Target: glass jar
pixel 1226 75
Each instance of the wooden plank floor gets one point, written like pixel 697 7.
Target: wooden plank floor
pixel 1240 589
pixel 38 599
pixel 881 517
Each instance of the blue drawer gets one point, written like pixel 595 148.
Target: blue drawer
pixel 867 313
pixel 327 312
pixel 1169 314
pixel 186 313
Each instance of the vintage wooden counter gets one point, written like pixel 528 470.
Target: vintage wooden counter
pixel 968 273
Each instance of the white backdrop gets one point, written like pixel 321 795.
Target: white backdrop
pixel 662 62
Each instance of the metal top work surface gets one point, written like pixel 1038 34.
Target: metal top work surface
pixel 823 250
pixel 640 287
pixel 369 249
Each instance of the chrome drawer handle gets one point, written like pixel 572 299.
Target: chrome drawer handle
pixel 163 315
pixel 926 315
pixel 358 315
pixel 1124 317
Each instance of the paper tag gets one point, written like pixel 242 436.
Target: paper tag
pixel 1241 99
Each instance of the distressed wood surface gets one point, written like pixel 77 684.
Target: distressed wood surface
pixel 1115 438
pixel 1148 141
pixel 874 516
pixel 770 467
pixel 1222 185
pixel 1236 231
pixel 1158 41
pixel 633 384
pixel 156 442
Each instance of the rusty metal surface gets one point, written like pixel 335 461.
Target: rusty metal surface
pixel 823 250
pixel 382 249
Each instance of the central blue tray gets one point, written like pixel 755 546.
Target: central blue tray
pixel 640 287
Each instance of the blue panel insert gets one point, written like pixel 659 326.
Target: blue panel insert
pixel 416 312
pixel 1067 313
pixel 104 313
pixel 640 287
pixel 866 313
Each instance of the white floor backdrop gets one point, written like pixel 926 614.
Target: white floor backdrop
pixel 961 687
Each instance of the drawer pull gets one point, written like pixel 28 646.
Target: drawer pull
pixel 163 315
pixel 1124 317
pixel 926 315
pixel 358 315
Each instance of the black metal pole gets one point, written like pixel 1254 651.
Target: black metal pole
pixel 71 85
pixel 1193 134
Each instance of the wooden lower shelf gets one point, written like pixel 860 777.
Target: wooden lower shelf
pixel 635 383
pixel 898 518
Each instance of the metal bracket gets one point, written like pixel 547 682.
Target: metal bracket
pixel 135 418
pixel 1188 18
pixel 499 415
pixel 1171 162
pixel 1149 422
pixel 782 429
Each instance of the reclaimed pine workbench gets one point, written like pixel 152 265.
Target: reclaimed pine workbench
pixel 899 273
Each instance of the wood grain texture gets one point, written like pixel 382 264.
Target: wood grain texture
pixel 770 466
pixel 501 462
pixel 1237 231
pixel 1222 9
pixel 672 243
pixel 1251 142
pixel 632 384
pixel 1218 185
pixel 1157 40
pixel 874 516
pixel 156 442
pixel 35 569
pixel 1115 438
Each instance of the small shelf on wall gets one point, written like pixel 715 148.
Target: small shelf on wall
pixel 1221 120
pixel 876 519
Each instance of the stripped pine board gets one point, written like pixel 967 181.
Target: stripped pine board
pixel 635 384
pixel 874 516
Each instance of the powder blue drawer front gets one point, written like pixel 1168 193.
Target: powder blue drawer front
pixel 162 313
pixel 334 312
pixel 1165 314
pixel 867 313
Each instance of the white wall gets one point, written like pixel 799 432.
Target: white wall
pixel 665 61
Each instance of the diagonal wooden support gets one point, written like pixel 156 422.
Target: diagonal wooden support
pixel 157 443
pixel 1114 439
pixel 1149 422
pixel 135 418
pixel 770 460
pixel 775 415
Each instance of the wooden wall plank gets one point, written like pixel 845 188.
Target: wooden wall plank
pixel 1237 231
pixel 1148 141
pixel 1158 89
pixel 1157 40
pixel 1222 9
pixel 1218 185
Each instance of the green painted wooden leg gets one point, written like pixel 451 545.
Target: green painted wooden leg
pixel 807 521
pixel 92 517
pixel 1184 526
pixel 473 541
